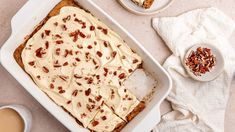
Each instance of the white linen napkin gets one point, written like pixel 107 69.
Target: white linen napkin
pixel 197 106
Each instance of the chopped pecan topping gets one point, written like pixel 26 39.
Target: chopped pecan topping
pixel 65 64
pixel 115 73
pixel 87 92
pixel 135 61
pixel 90 107
pixel 64 27
pixel 82 34
pixel 68 52
pixel 99 53
pixel 77 59
pixel 75 35
pixel 64 78
pixel 80 22
pixel 114 53
pixel 200 61
pixel 120 83
pixel 77 76
pixel 106 44
pixel 42 35
pixel 105 71
pixel 47 32
pixel 38 77
pixel 95 43
pixel 60 88
pixel 98 98
pixel 99 27
pixel 130 70
pixel 92 28
pixel 112 91
pixel 80 46
pixel 58 36
pixel 75 92
pixel 62 91
pixel 104 118
pixel 52 86
pixel 74 64
pixel 89 80
pixel 77 20
pixel 59 41
pixel 83 25
pixel 89 47
pixel 98 76
pixel 94 62
pixel 83 115
pixel 112 96
pixel 57 51
pixel 66 18
pixel 105 31
pixel 77 52
pixel 46 70
pixel 31 63
pixel 91 100
pixel 56 23
pixel 96 67
pixel 95 123
pixel 47 44
pixel 122 75
pixel 79 84
pixel 68 102
pixel 39 52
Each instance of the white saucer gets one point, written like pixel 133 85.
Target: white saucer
pixel 215 71
pixel 157 6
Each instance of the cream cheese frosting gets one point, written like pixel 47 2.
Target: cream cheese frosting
pixel 77 60
pixel 105 120
pixel 139 2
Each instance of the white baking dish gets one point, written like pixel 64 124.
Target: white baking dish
pixel 24 22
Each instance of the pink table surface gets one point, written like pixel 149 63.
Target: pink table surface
pixel 11 92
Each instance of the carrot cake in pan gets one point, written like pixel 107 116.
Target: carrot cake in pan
pixel 81 64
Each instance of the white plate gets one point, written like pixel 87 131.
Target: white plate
pixel 215 71
pixel 23 23
pixel 157 6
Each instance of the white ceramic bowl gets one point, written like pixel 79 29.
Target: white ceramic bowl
pixel 215 71
pixel 157 6
pixel 23 112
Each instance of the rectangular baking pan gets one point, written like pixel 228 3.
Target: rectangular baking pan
pixel 25 21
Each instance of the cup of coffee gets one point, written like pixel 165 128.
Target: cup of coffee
pixel 15 118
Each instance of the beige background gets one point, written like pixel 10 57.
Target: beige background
pixel 140 26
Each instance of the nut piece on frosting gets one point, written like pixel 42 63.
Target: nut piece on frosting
pixel 106 120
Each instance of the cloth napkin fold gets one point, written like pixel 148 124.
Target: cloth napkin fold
pixel 197 106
